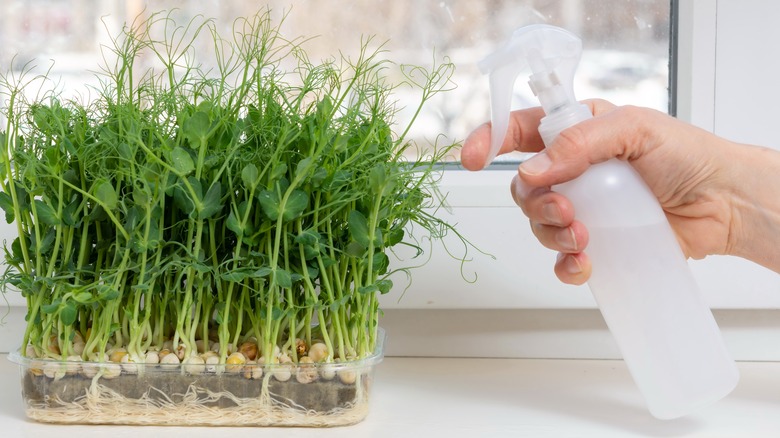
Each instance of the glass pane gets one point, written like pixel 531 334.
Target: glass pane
pixel 625 60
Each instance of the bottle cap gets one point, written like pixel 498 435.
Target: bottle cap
pixel 551 53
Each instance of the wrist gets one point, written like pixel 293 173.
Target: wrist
pixel 754 180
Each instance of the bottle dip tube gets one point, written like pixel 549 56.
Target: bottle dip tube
pixel 640 277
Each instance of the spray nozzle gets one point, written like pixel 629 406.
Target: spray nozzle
pixel 551 53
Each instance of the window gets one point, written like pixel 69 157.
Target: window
pixel 625 60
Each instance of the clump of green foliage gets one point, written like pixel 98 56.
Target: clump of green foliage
pixel 254 201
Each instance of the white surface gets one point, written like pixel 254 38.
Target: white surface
pixel 747 91
pixel 696 47
pixel 423 397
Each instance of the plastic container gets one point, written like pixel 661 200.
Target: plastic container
pixel 640 279
pixel 312 395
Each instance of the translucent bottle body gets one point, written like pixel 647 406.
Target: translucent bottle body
pixel 647 294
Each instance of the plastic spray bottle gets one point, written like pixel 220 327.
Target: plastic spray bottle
pixel 640 278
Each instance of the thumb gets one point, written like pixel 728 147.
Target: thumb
pixel 612 133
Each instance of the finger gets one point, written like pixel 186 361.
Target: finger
pixel 599 106
pixel 623 133
pixel 573 268
pixel 522 135
pixel 542 205
pixel 571 239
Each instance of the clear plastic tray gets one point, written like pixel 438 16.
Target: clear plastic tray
pixel 313 395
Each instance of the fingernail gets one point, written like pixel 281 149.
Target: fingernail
pixel 565 238
pixel 569 264
pixel 552 214
pixel 536 164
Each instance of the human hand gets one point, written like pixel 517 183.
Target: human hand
pixel 685 167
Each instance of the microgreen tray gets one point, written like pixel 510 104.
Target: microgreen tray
pixel 312 395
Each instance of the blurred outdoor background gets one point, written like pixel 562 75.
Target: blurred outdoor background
pixel 626 57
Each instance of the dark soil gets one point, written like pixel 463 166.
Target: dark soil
pixel 321 396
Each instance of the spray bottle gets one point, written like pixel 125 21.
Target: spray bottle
pixel 640 280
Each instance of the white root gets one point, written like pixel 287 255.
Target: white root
pixel 105 406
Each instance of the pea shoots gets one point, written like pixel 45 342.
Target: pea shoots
pixel 241 213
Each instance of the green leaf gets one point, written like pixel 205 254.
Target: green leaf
pixel 7 204
pixel 220 310
pixel 296 204
pixel 83 297
pixel 68 144
pixel 200 267
pixel 310 241
pixel 182 200
pixel 68 314
pixel 106 194
pixel 307 237
pixel 153 239
pixel 46 214
pixel 265 271
pixel 358 228
pixel 196 128
pixel 303 167
pixel 47 241
pixel 269 202
pixel 235 276
pixel 70 215
pixel 380 262
pixel 384 286
pixel 340 179
pixel 377 178
pixel 212 202
pixel 250 175
pixel 107 293
pixel 16 250
pixel 282 278
pixel 319 175
pixel 182 161
pixel 234 225
pixel 276 313
pixel 51 307
pixel 394 237
pixel 355 249
pixel 368 289
pixel 278 171
pixel 22 197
